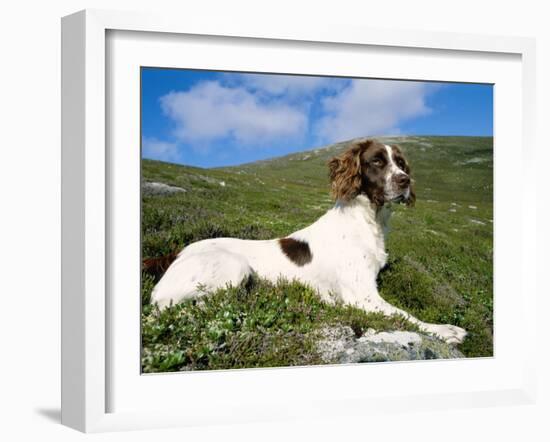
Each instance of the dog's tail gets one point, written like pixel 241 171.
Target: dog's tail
pixel 158 265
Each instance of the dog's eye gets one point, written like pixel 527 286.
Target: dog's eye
pixel 377 162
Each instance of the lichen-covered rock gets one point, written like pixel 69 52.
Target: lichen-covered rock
pixel 152 188
pixel 340 345
pixel 334 341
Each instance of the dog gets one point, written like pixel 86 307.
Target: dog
pixel 339 255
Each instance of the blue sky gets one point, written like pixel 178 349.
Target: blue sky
pixel 213 119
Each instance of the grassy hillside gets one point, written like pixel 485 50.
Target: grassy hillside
pixel 440 265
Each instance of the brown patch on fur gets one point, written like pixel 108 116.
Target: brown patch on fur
pixel 157 266
pixel 297 251
pixel 402 163
pixel 374 162
pixel 400 159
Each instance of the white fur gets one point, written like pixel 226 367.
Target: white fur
pixel 393 170
pixel 347 244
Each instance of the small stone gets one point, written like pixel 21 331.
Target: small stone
pixel 476 221
pixel 429 354
pixel 153 188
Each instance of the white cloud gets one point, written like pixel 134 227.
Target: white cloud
pixel 291 86
pixel 160 150
pixel 371 107
pixel 211 111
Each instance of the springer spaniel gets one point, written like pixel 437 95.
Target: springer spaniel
pixel 338 255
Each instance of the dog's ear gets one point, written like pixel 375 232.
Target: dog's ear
pixel 346 174
pixel 411 200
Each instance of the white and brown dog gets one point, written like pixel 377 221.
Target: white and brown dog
pixel 339 255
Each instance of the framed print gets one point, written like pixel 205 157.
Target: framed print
pixel 226 200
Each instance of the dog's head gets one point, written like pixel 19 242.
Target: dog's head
pixel 376 170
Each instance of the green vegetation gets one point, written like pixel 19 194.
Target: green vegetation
pixel 440 255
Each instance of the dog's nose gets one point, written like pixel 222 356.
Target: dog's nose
pixel 402 180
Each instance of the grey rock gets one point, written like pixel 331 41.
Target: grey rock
pixel 334 341
pixel 153 188
pixel 340 345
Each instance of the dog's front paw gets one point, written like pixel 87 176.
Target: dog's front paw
pixel 451 334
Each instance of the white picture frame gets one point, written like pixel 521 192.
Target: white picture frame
pixel 86 206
